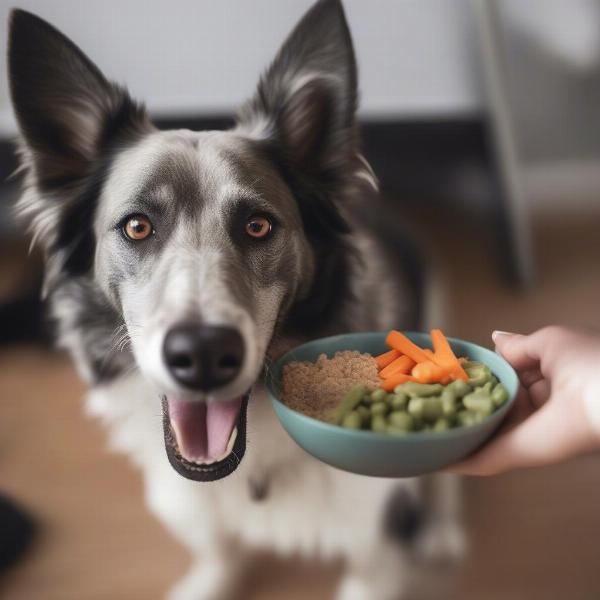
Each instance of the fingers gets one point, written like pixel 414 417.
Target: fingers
pixel 539 393
pixel 539 351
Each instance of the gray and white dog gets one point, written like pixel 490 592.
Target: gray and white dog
pixel 179 262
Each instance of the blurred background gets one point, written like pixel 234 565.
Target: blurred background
pixel 482 120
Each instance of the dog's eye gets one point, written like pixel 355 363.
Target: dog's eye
pixel 138 227
pixel 258 227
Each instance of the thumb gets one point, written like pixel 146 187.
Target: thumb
pixel 517 349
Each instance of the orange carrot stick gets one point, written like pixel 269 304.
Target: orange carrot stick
pixel 391 382
pixel 383 360
pixel 430 372
pixel 402 364
pixel 400 342
pixel 429 353
pixel 445 357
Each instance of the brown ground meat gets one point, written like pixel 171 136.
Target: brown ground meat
pixel 315 389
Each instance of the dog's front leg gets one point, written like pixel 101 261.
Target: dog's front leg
pixel 380 574
pixel 443 536
pixel 214 575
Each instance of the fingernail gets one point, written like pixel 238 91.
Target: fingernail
pixel 496 335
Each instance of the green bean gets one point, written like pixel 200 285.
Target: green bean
pixel 466 418
pixel 449 401
pixel 421 389
pixel 487 388
pixel 459 387
pixel 479 374
pixel 379 424
pixel 399 401
pixel 479 401
pixel 399 391
pixel 499 395
pixel 416 407
pixel 432 409
pixel 441 425
pixel 365 414
pixel 467 364
pixel 352 420
pixel 494 381
pixel 393 430
pixel 401 420
pixel 349 402
pixel 378 395
pixel 379 408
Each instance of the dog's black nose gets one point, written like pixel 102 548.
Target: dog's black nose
pixel 203 357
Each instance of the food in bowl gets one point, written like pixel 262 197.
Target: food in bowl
pixel 406 389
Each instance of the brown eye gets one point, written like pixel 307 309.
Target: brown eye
pixel 138 228
pixel 258 227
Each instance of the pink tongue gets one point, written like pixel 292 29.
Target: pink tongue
pixel 203 429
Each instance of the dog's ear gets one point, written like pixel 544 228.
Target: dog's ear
pixel 66 109
pixel 306 100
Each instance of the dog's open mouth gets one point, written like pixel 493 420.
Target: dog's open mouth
pixel 205 441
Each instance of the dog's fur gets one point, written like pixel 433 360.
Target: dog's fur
pixel 91 157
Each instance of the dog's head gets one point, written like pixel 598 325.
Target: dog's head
pixel 183 253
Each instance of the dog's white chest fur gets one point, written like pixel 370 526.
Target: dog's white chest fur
pixel 306 506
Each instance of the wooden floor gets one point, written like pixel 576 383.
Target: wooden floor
pixel 535 535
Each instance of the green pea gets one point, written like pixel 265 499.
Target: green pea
pixel 479 401
pixel 379 408
pixel 449 402
pixel 421 389
pixel 499 395
pixel 459 387
pixel 401 420
pixel 349 402
pixel 494 381
pixel 390 398
pixel 379 424
pixel 352 420
pixel 479 374
pixel 399 402
pixel 378 395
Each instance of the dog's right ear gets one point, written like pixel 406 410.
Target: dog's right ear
pixel 66 109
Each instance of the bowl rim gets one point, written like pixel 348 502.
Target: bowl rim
pixel 497 415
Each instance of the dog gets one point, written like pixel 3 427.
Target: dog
pixel 179 263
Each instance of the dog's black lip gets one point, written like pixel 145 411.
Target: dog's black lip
pixel 217 470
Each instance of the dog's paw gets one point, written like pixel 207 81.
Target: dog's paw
pixel 441 543
pixel 208 581
pixel 353 587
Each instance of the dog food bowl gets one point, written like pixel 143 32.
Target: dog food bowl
pixel 380 454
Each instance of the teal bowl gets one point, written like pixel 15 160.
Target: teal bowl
pixel 380 454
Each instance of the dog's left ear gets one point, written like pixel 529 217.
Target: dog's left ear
pixel 306 101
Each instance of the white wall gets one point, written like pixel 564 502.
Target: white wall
pixel 204 56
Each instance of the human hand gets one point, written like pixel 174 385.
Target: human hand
pixel 556 414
